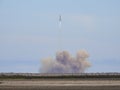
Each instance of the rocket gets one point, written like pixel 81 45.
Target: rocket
pixel 60 18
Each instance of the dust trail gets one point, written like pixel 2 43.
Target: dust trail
pixel 66 63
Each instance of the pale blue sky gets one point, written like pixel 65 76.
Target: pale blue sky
pixel 29 32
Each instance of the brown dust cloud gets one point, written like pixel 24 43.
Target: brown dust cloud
pixel 64 62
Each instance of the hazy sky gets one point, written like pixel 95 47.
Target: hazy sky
pixel 29 31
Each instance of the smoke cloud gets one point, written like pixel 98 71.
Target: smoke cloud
pixel 66 63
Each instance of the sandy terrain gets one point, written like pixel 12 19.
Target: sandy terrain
pixel 59 84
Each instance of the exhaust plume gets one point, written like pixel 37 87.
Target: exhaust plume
pixel 65 63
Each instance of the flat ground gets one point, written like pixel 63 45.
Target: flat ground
pixel 59 84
